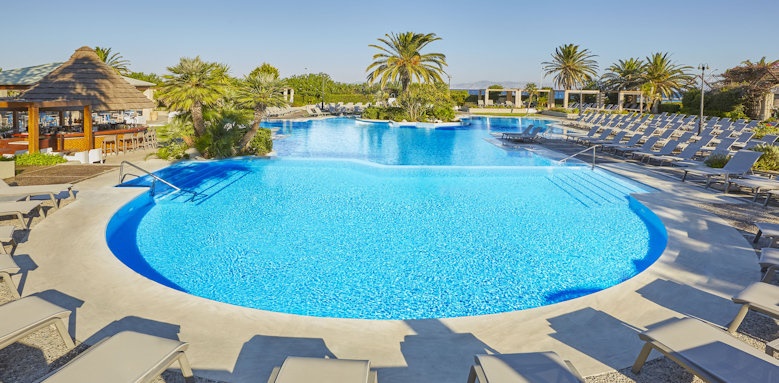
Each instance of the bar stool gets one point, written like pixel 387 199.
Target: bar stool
pixel 110 145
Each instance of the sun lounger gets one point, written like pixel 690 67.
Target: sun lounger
pixel 759 296
pixel 535 367
pixel 37 190
pixel 647 146
pixel 24 316
pixel 125 357
pixel 667 149
pixel 756 184
pixel 20 209
pixel 769 263
pixel 305 370
pixel 739 165
pixel 8 267
pixel 769 230
pixel 708 352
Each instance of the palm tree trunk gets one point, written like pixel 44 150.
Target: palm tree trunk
pixel 259 112
pixel 197 119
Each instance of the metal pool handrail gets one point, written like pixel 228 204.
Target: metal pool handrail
pixel 580 152
pixel 154 178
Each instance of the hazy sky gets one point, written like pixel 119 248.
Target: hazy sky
pixel 495 40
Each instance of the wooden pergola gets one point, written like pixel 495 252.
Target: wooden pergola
pixel 33 109
pixel 84 83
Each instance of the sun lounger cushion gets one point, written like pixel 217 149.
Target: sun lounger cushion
pixel 708 352
pixel 536 367
pixel 305 370
pixel 125 357
pixel 29 314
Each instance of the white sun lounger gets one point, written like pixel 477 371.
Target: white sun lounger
pixel 20 209
pixel 29 314
pixel 769 263
pixel 8 267
pixel 708 352
pixel 760 297
pixel 306 370
pixel 125 357
pixel 36 190
pixel 535 367
pixel 768 229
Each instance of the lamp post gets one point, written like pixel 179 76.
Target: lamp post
pixel 703 68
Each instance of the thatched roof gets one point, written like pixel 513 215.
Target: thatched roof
pixel 85 78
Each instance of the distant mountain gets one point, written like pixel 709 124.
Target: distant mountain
pixel 483 84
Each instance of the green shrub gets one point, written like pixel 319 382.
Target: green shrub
pixel 717 160
pixel 262 143
pixel 770 158
pixel 670 107
pixel 762 129
pixel 38 159
pixel 443 113
pixel 172 151
pixel 391 113
pixel 371 113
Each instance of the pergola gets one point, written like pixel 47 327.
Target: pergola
pixel 580 92
pixel 84 83
pixel 623 93
pixel 516 95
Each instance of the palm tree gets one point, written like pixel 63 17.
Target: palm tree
pixel 624 75
pixel 192 85
pixel 663 78
pixel 400 59
pixel 572 67
pixel 114 60
pixel 258 91
pixel 531 90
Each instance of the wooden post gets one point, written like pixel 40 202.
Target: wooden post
pixel 33 133
pixel 88 135
pixel 16 122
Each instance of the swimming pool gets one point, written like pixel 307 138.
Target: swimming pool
pixel 350 238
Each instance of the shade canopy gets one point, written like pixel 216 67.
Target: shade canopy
pixel 87 80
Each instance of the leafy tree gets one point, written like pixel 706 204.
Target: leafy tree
pixel 266 68
pixel 113 59
pixel 571 66
pixel 624 75
pixel 458 96
pixel 148 77
pixel 663 78
pixel 192 85
pixel 258 91
pixel 421 101
pixel 400 59
pixel 756 79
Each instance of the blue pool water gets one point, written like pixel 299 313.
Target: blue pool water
pixel 337 237
pixel 406 144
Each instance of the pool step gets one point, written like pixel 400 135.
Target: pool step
pixel 198 177
pixel 593 189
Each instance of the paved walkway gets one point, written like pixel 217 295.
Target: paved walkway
pixel 706 261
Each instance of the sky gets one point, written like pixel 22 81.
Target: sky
pixel 496 41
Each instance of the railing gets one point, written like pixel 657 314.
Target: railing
pixel 580 152
pixel 154 179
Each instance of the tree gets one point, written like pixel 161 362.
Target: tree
pixel 756 80
pixel 400 59
pixel 193 84
pixel 114 60
pixel 663 78
pixel 259 90
pixel 427 100
pixel 624 75
pixel 531 90
pixel 570 66
pixel 148 77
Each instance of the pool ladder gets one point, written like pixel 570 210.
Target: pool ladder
pixel 154 179
pixel 580 152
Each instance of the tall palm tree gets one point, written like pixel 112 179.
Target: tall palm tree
pixel 192 85
pixel 114 60
pixel 624 75
pixel 571 66
pixel 663 78
pixel 400 59
pixel 531 90
pixel 258 91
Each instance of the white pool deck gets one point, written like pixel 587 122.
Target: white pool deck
pixel 705 263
